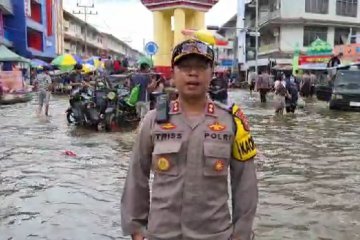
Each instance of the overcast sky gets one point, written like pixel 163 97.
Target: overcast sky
pixel 122 18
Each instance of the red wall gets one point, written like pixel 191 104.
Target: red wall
pixel 49 17
pixel 35 40
pixel 36 12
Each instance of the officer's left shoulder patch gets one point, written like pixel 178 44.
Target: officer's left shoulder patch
pixel 238 113
pixel 244 147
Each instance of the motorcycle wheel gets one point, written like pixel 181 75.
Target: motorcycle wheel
pixel 101 126
pixel 70 117
pixel 110 123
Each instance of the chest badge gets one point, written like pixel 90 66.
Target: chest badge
pixel 168 126
pixel 219 166
pixel 217 127
pixel 163 164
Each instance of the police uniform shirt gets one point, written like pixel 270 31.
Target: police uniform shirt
pixel 191 162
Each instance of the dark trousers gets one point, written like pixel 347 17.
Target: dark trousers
pixel 291 108
pixel 263 93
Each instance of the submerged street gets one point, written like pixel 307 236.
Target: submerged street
pixel 308 171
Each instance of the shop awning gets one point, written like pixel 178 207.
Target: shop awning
pixel 7 55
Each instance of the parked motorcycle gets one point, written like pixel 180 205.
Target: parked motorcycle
pixel 83 110
pixel 118 111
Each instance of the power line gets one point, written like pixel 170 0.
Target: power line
pixel 85 12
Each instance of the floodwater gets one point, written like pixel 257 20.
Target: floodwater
pixel 308 170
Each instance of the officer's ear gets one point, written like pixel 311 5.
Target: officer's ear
pixel 172 72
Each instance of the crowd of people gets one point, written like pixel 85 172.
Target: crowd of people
pixel 286 86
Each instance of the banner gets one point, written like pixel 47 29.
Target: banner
pixel 314 59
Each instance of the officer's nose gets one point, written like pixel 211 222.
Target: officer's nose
pixel 193 72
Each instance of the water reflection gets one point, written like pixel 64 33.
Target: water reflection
pixel 308 174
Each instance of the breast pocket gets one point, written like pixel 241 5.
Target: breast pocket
pixel 217 158
pixel 165 158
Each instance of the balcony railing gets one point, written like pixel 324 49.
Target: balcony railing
pixel 268 16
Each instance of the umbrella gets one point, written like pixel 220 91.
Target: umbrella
pixel 87 68
pixel 206 36
pixel 145 60
pixel 77 59
pixel 65 62
pixel 37 63
pixel 94 61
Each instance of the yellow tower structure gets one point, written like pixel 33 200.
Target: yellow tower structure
pixel 170 18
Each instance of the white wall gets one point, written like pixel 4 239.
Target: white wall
pixel 296 9
pixel 290 35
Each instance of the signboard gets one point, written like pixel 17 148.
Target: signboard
pixel 11 80
pixel 27 7
pixel 151 48
pixel 226 62
pixel 351 52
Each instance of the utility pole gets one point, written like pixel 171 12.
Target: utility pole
pixel 241 34
pixel 86 13
pixel 257 35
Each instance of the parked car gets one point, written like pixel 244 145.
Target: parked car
pixel 346 91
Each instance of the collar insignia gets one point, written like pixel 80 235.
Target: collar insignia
pixel 211 108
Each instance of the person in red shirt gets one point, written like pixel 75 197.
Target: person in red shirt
pixel 117 66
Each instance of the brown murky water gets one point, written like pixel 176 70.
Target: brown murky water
pixel 308 169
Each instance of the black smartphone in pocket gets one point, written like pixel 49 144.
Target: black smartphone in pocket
pixel 162 108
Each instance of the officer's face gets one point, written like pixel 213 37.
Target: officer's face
pixel 192 76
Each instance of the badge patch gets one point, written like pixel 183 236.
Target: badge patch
pixel 163 164
pixel 168 126
pixel 243 119
pixel 217 127
pixel 211 108
pixel 219 165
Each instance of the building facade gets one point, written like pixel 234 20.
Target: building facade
pixel 31 28
pixel 285 25
pixel 42 29
pixel 227 55
pixel 97 43
pixel 6 10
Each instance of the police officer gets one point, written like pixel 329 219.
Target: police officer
pixel 190 154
